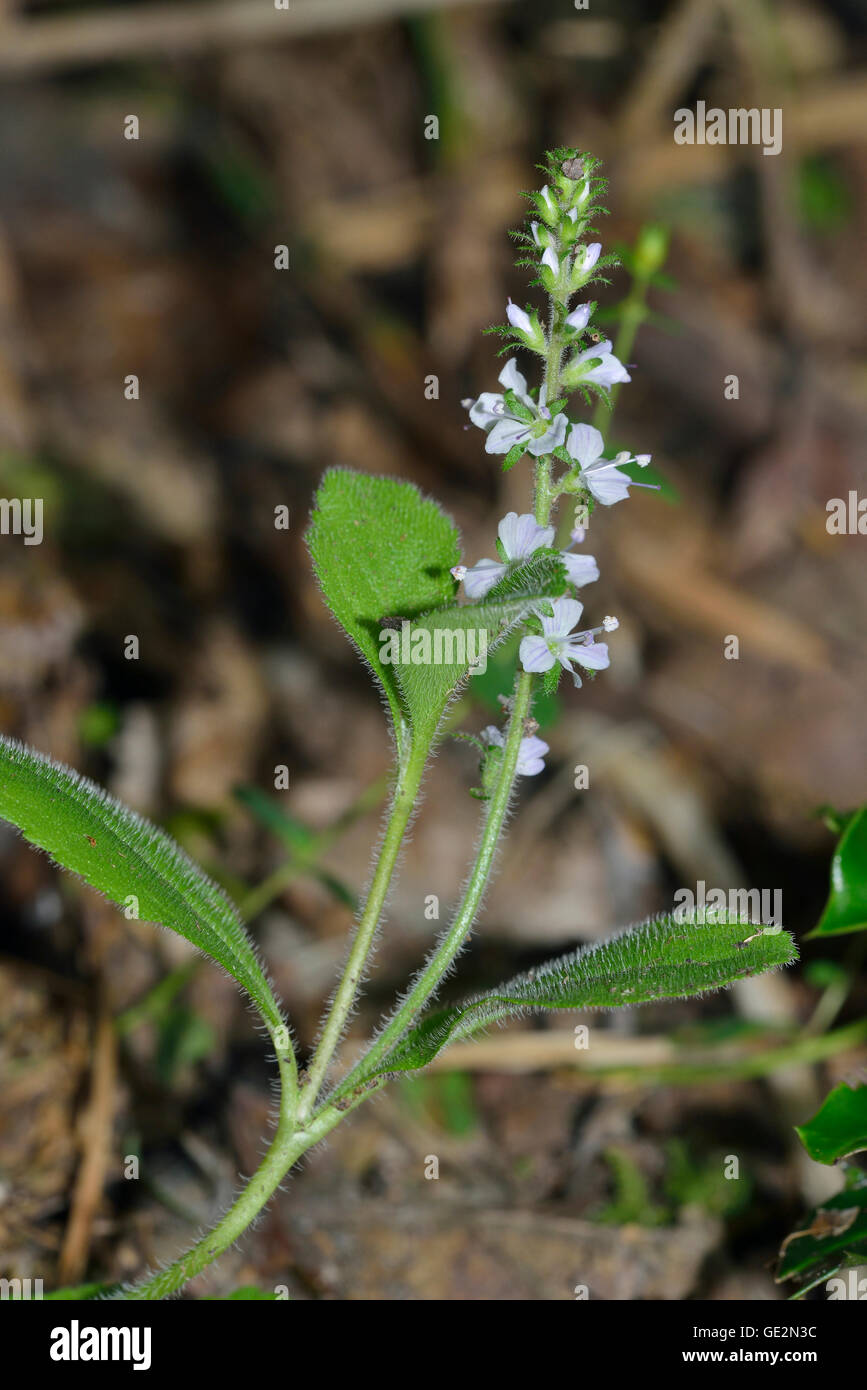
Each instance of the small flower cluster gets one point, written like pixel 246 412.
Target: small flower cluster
pixel 557 246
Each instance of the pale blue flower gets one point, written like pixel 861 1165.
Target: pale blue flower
pixel 520 537
pixel 559 642
pixel 579 317
pixel 598 366
pixel 505 430
pixel 601 477
pixel 587 256
pixel 531 754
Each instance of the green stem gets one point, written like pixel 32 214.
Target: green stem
pixel 287 1144
pixel 406 791
pixel 439 962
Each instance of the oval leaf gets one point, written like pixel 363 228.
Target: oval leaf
pixel 846 909
pixel 381 550
pixel 86 831
pixel 663 958
pixel 839 1126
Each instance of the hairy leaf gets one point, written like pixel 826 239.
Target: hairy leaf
pixel 434 652
pixel 123 856
pixel 846 909
pixel 663 958
pixel 381 551
pixel 839 1126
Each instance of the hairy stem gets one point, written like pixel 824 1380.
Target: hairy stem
pixel 439 962
pixel 287 1145
pixel 406 791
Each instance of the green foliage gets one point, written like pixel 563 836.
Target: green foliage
pixel 446 1100
pixel 88 832
pixel 839 1126
pixel 80 1293
pixel 295 835
pixel 98 723
pixel 183 1039
pixel 846 908
pixel 499 679
pixel 248 1293
pixel 631 1202
pixel 662 958
pixel 834 1236
pixel 427 686
pixel 824 198
pixel 693 1183
pixel 380 550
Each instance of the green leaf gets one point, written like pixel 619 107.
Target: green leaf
pixel 839 1126
pixel 380 550
pixel 80 1293
pixel 846 909
pixel 834 1234
pixel 516 407
pixel 542 575
pixel 123 856
pixel 434 654
pixel 248 1293
pixel 663 958
pixel 551 679
pixel 515 454
pixel 295 835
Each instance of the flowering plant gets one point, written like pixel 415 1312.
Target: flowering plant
pixel 383 553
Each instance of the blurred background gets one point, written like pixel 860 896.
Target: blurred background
pixel 135 1086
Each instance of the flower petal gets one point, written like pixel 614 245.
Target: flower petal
pixel 482 577
pixel 591 255
pixel 521 535
pixel 488 409
pixel 531 756
pixel 530 767
pixel 581 569
pixel 579 317
pixel 608 372
pixel 585 444
pixel 535 655
pixel 593 656
pixel 518 317
pixel 567 612
pixel 505 434
pixel 608 485
pixel 513 380
pixel 551 439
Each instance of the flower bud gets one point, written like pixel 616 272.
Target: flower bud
pixel 527 325
pixel 651 250
pixel 578 318
pixel 518 318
